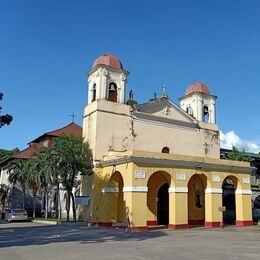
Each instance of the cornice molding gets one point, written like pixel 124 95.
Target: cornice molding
pixel 178 163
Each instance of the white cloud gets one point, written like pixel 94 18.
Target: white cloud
pixel 229 139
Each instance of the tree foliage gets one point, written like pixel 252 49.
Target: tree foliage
pixel 237 155
pixel 47 164
pixel 4 119
pixel 4 154
pixel 3 194
pixel 33 179
pixel 74 158
pixel 55 167
pixel 17 170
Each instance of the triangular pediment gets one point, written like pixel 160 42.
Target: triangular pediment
pixel 166 108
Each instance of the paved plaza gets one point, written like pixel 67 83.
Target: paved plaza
pixel 22 241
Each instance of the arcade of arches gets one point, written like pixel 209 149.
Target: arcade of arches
pixel 139 196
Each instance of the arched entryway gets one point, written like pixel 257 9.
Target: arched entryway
pixel 196 200
pixel 256 209
pixel 118 183
pixel 257 202
pixel 163 205
pixel 229 187
pixel 158 199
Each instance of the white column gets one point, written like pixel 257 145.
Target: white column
pixel 121 90
pixel 89 91
pixel 199 108
pixel 213 112
pixel 97 78
pixel 104 84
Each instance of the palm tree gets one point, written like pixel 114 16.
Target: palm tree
pixel 33 179
pixel 52 167
pixel 17 170
pixel 47 164
pixel 3 197
pixel 43 176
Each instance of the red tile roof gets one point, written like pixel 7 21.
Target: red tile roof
pixel 28 152
pixel 109 60
pixel 35 145
pixel 71 128
pixel 197 87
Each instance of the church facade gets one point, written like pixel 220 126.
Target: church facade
pixel 158 163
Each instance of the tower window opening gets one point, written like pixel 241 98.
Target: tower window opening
pixel 205 114
pixel 166 149
pixel 94 93
pixel 112 92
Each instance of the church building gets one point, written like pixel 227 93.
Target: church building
pixel 158 163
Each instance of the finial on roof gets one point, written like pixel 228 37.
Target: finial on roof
pixel 131 95
pixel 164 94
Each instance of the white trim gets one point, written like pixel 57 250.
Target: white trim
pixel 243 192
pixel 135 189
pixel 216 191
pixel 178 190
pixel 109 189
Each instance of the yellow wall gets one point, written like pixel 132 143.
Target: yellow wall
pixel 213 202
pixel 137 207
pixel 178 207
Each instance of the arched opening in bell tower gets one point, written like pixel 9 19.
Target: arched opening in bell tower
pixel 112 92
pixel 205 114
pixel 94 93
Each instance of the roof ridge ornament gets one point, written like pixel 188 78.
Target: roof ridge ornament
pixel 164 94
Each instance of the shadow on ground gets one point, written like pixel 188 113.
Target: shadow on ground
pixel 78 233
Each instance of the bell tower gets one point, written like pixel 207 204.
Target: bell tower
pixel 198 103
pixel 107 80
pixel 106 116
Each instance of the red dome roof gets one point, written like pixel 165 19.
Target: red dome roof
pixel 109 60
pixel 197 87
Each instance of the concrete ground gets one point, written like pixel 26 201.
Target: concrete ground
pixel 22 241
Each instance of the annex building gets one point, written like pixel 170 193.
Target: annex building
pixel 158 163
pixel 15 197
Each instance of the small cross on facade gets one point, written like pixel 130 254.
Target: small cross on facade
pixel 73 117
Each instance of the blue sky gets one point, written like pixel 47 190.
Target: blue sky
pixel 47 47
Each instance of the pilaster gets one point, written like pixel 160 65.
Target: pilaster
pixel 213 201
pixel 243 208
pixel 178 207
pixel 135 203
